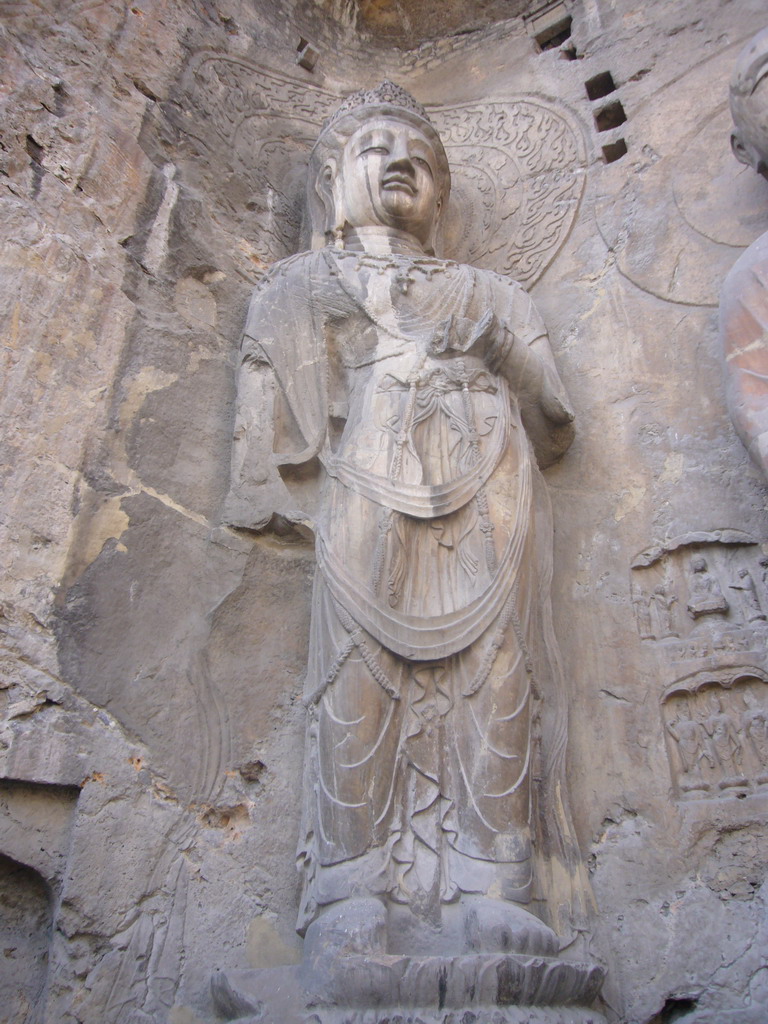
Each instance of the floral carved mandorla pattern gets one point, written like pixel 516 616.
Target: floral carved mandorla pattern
pixel 517 164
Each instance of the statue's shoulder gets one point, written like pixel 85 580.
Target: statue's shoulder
pixel 500 282
pixel 289 268
pixel 507 293
pixel 282 291
pixel 503 281
pixel 512 304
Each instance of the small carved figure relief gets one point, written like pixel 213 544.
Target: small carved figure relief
pixel 422 388
pixel 661 601
pixel 744 296
pixel 692 748
pixel 697 564
pixel 719 733
pixel 641 604
pixel 706 595
pixel 747 591
pixel 725 744
pixel 755 730
pixel 763 562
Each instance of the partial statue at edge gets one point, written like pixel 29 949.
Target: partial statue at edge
pixel 418 397
pixel 744 297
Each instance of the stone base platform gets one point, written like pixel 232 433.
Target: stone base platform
pixel 386 989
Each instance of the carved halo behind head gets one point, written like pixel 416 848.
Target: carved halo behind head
pixel 387 100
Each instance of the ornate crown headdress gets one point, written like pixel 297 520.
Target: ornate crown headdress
pixel 385 95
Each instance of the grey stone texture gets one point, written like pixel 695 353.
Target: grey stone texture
pixel 152 732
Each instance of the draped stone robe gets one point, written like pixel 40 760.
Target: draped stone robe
pixel 422 387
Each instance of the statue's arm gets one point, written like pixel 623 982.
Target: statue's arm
pixel 275 327
pixel 256 490
pixel 524 357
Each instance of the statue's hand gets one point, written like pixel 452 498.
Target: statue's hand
pixel 556 407
pixel 465 335
pixel 266 505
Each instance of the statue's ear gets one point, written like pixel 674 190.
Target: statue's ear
pixel 739 149
pixel 326 187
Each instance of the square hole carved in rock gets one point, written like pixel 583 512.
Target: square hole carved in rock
pixel 600 85
pixel 556 35
pixel 614 151
pixel 610 116
pixel 549 25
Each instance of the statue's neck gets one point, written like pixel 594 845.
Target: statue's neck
pixel 382 241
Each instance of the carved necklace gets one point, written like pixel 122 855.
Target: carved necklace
pixel 403 265
pixel 447 299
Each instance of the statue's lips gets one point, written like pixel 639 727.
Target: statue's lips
pixel 398 183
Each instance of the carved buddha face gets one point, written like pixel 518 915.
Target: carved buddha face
pixel 749 104
pixel 389 177
pixel 749 141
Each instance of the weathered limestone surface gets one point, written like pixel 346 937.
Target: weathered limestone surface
pixel 152 728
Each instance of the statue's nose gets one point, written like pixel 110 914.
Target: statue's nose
pixel 400 159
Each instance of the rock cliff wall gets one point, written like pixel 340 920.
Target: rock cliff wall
pixel 151 734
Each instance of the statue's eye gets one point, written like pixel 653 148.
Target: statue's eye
pixel 374 149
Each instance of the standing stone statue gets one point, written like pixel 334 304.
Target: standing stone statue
pixel 641 603
pixel 744 297
pixel 745 587
pixel 754 726
pixel 661 601
pixel 691 740
pixel 725 743
pixel 422 396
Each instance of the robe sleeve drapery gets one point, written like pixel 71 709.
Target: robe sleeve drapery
pixel 281 413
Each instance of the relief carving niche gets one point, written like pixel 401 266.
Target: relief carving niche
pixel 717 733
pixel 35 834
pixel 702 595
pixel 26 915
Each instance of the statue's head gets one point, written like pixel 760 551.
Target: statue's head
pixel 749 104
pixel 378 162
